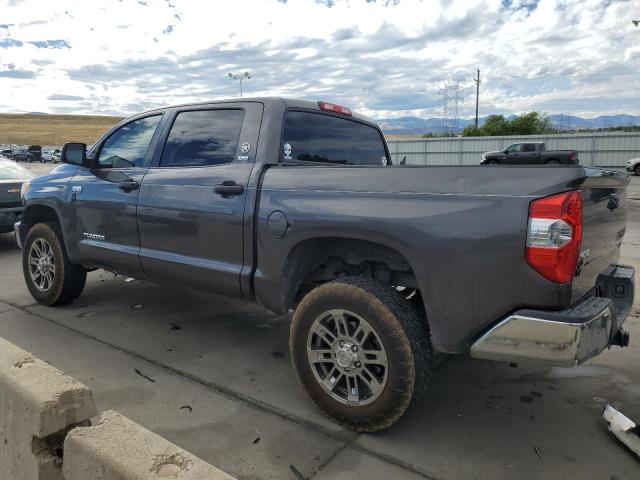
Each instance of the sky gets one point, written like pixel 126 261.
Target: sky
pixel 384 58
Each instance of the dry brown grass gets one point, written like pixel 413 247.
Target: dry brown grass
pixel 53 129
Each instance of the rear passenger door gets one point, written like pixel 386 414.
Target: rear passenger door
pixel 192 200
pixel 529 154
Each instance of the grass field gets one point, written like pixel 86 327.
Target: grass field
pixel 29 129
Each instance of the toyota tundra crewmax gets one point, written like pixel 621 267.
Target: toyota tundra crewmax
pixel 298 205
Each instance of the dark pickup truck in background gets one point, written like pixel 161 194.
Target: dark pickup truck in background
pixel 294 204
pixel 531 153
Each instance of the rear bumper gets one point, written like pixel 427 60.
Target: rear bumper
pixel 566 337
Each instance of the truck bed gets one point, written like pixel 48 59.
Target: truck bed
pixel 461 229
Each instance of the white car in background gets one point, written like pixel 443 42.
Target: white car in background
pixel 633 165
pixel 52 156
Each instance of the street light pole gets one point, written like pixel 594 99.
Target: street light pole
pixel 477 80
pixel 241 77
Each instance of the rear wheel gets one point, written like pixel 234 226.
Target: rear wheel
pixel 51 278
pixel 361 351
pixel 553 161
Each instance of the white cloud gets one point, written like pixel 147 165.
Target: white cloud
pixel 384 58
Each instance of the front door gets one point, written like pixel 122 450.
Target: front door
pixel 103 199
pixel 192 200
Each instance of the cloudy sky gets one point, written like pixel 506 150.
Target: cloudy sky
pixel 382 58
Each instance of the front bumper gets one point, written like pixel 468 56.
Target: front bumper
pixel 9 216
pixel 566 337
pixel 16 229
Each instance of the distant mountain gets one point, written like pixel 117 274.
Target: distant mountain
pixel 418 126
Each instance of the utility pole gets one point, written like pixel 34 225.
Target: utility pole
pixel 240 76
pixel 477 80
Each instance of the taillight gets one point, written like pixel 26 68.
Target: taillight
pixel 554 235
pixel 573 157
pixel 332 107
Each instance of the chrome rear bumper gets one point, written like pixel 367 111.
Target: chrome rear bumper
pixel 567 337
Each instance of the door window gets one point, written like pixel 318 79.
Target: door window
pixel 515 148
pixel 528 147
pixel 203 138
pixel 314 137
pixel 127 147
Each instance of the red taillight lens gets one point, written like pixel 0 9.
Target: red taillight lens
pixel 332 107
pixel 554 235
pixel 572 157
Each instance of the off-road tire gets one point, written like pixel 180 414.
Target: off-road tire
pixel 492 162
pixel 69 278
pixel 553 161
pixel 403 332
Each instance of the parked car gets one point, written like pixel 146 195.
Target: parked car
pixel 532 153
pixel 7 153
pixel 35 153
pixel 12 176
pixel 52 156
pixel 633 165
pixel 21 155
pixel 293 204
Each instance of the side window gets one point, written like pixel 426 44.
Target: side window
pixel 515 148
pixel 202 138
pixel 528 147
pixel 127 146
pixel 314 137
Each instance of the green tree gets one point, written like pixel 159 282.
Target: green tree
pixel 532 123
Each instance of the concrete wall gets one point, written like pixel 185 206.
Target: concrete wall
pixel 599 149
pixel 49 431
pixel 38 403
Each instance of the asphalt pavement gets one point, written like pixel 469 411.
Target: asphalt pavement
pixel 214 376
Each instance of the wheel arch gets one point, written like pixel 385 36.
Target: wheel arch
pixel 40 213
pixel 305 268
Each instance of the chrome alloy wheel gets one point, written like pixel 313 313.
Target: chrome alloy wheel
pixel 347 357
pixel 42 267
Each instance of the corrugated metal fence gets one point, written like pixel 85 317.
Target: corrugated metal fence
pixel 600 149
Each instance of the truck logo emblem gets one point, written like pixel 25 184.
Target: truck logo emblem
pixel 287 151
pixel 246 146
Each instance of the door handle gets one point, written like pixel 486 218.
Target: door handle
pixel 229 188
pixel 129 185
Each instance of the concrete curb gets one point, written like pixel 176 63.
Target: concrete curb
pixel 38 405
pixel 116 448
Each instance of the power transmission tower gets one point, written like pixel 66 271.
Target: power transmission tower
pixel 477 80
pixel 451 99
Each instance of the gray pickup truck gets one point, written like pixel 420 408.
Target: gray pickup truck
pixel 531 153
pixel 296 205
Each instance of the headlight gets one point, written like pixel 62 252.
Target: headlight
pixel 24 189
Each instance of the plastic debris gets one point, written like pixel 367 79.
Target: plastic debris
pixel 623 428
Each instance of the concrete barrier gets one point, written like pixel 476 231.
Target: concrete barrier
pixel 116 448
pixel 38 406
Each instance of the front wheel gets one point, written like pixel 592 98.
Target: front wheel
pixel 361 351
pixel 51 278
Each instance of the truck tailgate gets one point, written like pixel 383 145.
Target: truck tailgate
pixel 604 214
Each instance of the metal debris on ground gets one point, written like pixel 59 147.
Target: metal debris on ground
pixel 296 472
pixel 186 407
pixel 623 428
pixel 537 450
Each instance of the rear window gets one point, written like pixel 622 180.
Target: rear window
pixel 314 137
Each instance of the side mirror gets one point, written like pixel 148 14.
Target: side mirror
pixel 74 153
